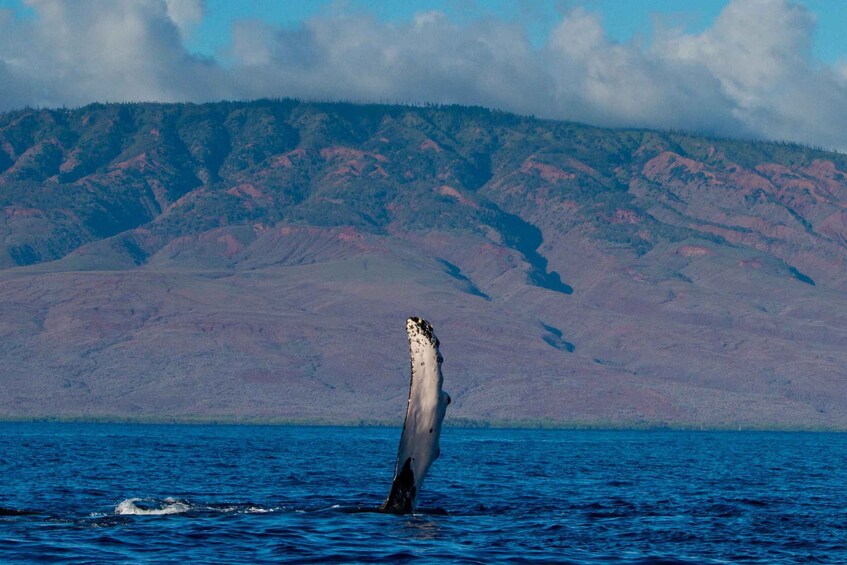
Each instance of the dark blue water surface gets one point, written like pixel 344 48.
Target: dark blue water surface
pixel 173 493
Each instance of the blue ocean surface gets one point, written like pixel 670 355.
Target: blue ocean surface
pixel 203 493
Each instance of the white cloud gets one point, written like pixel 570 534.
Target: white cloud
pixel 73 53
pixel 615 84
pixel 185 14
pixel 760 53
pixel 750 74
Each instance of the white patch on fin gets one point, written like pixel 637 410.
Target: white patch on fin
pixel 424 413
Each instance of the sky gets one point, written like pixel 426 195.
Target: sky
pixel 764 69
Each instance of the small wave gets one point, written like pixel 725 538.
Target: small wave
pixel 151 507
pixel 238 508
pixel 4 511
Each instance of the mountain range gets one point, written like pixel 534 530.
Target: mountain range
pixel 256 261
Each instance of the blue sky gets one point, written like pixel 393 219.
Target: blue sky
pixel 774 69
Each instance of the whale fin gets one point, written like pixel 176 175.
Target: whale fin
pixel 424 414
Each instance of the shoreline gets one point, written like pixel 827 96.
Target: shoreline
pixel 459 423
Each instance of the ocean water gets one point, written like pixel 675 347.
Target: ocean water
pixel 228 494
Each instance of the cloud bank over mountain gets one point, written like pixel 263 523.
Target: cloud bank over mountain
pixel 750 74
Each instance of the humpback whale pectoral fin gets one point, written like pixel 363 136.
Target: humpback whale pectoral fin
pixel 425 411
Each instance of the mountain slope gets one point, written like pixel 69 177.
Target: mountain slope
pixel 258 260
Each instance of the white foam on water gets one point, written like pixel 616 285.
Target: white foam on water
pixel 151 507
pixel 170 505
